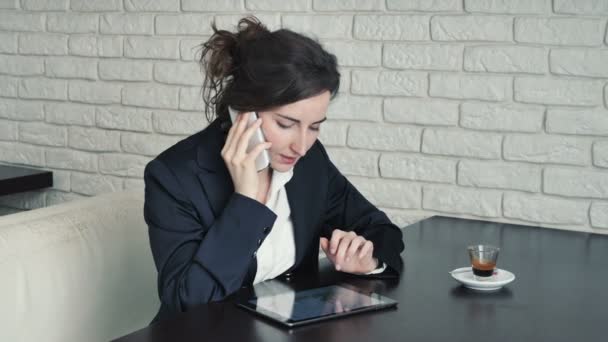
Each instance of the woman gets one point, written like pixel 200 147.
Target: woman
pixel 215 222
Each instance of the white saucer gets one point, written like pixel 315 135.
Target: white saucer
pixel 465 276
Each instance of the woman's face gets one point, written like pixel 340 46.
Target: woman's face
pixel 292 129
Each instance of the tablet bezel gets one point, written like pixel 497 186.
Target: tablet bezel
pixel 385 302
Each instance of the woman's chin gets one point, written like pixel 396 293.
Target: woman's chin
pixel 281 167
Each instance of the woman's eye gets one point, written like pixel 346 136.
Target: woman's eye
pixel 316 129
pixel 283 126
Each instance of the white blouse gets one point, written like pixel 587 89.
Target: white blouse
pixel 278 251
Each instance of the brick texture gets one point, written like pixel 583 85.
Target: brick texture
pixel 480 108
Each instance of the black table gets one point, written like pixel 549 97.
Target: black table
pixel 14 179
pixel 560 294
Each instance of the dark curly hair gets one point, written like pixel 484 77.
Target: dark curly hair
pixel 255 69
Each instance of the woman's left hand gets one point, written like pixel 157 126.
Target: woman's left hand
pixel 349 252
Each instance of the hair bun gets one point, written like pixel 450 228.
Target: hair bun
pixel 250 28
pixel 220 55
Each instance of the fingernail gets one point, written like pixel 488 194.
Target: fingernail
pixel 338 267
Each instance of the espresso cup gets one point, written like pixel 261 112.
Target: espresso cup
pixel 483 261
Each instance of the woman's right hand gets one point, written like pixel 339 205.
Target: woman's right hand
pixel 241 164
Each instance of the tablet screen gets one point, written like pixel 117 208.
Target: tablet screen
pixel 293 307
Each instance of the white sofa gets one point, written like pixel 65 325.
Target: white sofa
pixel 78 271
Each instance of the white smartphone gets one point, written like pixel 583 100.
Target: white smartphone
pixel 263 159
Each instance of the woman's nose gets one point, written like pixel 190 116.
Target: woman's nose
pixel 299 146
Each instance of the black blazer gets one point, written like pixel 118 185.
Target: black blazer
pixel 204 236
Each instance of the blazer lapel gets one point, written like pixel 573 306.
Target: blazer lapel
pixel 303 206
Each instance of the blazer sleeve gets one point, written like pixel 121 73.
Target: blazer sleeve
pixel 347 209
pixel 197 263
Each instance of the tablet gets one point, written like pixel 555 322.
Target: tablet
pixel 295 308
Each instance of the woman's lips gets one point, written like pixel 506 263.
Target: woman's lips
pixel 287 160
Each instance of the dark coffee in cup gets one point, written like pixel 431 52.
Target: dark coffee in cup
pixel 482 268
pixel 483 260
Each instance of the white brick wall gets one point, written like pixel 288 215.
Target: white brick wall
pixel 94 92
pixel 480 87
pixel 472 28
pixel 392 27
pixel 70 67
pixel 421 111
pixel 552 91
pixel 93 139
pixel 184 24
pixel 355 162
pixel 461 143
pixel 600 154
pixel 536 208
pixel 390 83
pixel 353 54
pixel 425 5
pixel 21 65
pixel 506 59
pixel 560 31
pixel 423 56
pixel 501 117
pixel 348 5
pixel 8 42
pixel 178 73
pixel 579 62
pixel 509 6
pixel 581 7
pixel 478 108
pixel 72 22
pixel 417 168
pixel 41 5
pixel 483 203
pixel 92 46
pixel 384 137
pixel 499 175
pixel 320 26
pixel 126 24
pixel 212 5
pixel 125 70
pixel 547 149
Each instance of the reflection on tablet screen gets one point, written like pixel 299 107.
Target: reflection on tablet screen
pixel 315 303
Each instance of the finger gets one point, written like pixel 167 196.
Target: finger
pixel 256 151
pixel 338 306
pixel 342 248
pixel 355 244
pixel 337 260
pixel 336 235
pixel 229 139
pixel 235 131
pixel 366 250
pixel 324 244
pixel 231 131
pixel 243 140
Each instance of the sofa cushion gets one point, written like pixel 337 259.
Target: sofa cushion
pixel 78 271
